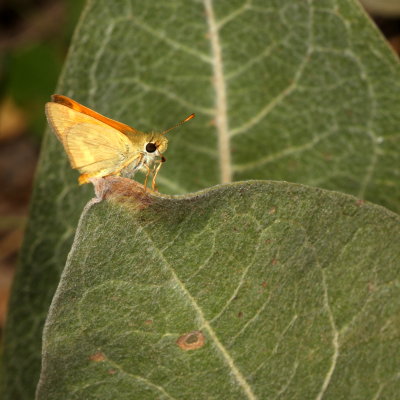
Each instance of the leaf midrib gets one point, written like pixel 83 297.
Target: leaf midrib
pixel 221 109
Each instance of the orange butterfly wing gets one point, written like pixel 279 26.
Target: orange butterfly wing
pixel 66 101
pixel 96 146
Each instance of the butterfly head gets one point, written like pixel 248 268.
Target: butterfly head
pixel 156 145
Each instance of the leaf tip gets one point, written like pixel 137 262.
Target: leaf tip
pixel 122 190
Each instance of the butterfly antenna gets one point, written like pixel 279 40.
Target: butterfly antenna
pixel 191 116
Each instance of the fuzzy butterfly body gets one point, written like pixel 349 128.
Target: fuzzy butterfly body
pixel 98 146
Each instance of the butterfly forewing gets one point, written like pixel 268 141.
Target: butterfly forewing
pixel 91 145
pixel 74 105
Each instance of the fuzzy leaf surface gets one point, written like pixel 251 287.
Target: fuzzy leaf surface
pixel 288 292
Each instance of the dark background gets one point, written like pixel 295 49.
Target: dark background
pixel 34 39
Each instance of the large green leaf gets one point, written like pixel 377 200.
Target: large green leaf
pixel 301 91
pixel 295 290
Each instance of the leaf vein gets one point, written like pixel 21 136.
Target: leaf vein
pixel 202 319
pixel 140 379
pixel 281 154
pixel 174 44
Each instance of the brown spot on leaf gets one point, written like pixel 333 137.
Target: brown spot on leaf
pixel 97 357
pixel 264 285
pixel 360 202
pixel 240 314
pixel 148 322
pixel 112 371
pixel 274 261
pixel 191 341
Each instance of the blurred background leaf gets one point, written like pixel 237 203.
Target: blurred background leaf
pixel 388 8
pixel 34 39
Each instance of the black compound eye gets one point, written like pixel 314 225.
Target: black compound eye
pixel 151 147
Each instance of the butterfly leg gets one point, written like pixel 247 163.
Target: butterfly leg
pixel 155 172
pixel 147 176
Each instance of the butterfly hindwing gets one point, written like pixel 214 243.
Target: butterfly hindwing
pixel 96 149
